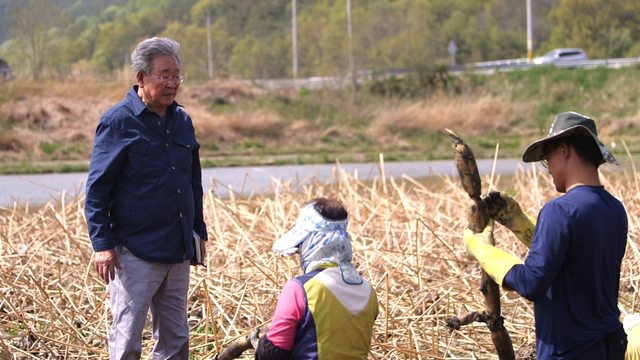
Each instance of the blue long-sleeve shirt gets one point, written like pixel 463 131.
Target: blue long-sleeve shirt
pixel 144 189
pixel 572 272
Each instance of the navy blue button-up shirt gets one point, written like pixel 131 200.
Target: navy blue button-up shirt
pixel 572 272
pixel 144 189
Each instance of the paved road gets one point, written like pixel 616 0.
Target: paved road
pixel 37 190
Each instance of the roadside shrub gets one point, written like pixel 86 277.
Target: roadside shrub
pixel 209 145
pixel 419 81
pixel 49 148
pixel 253 144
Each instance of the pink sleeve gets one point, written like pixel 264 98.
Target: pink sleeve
pixel 288 315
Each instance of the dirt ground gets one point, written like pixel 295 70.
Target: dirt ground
pixel 60 125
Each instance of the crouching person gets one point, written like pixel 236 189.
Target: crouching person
pixel 327 313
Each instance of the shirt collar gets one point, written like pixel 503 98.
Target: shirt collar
pixel 139 106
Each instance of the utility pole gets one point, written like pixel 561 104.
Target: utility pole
pixel 529 33
pixel 209 46
pixel 294 30
pixel 351 62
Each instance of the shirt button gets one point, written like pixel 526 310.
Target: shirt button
pixel 173 168
pixel 178 191
pixel 159 123
pixel 167 144
pixel 180 214
pixel 188 146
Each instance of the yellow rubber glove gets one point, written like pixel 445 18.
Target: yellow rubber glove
pixel 505 210
pixel 632 328
pixel 633 346
pixel 495 262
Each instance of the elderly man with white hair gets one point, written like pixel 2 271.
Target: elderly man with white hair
pixel 144 206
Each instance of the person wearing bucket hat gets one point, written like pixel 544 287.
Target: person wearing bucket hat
pixel 570 125
pixel 572 270
pixel 329 311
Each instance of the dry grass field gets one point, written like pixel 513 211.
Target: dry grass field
pixel 55 121
pixel 407 239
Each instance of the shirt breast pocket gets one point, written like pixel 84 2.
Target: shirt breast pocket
pixel 183 153
pixel 146 158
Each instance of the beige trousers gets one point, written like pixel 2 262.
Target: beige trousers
pixel 141 286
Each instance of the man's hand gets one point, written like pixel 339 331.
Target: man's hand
pixel 474 241
pixel 106 263
pixel 480 247
pixel 506 210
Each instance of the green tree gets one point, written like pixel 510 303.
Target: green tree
pixel 393 34
pixel 616 42
pixel 116 37
pixel 145 23
pixel 334 40
pixel 198 12
pixel 193 49
pixel 254 58
pixel 583 24
pixel 266 18
pixel 73 50
pixel 416 37
pixel 252 38
pixel 171 10
pixel 379 37
pixel 312 20
pixel 505 23
pixel 459 27
pixel 32 26
pixel 627 12
pixel 622 42
pixel 111 47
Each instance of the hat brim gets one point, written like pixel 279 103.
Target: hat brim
pixel 535 151
pixel 291 238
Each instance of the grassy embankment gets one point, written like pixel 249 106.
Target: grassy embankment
pixel 48 127
pixel 407 243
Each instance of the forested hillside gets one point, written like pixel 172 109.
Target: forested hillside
pixel 253 38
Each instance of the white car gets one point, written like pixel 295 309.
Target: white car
pixel 557 55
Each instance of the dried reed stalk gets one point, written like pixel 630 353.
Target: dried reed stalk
pixel 407 240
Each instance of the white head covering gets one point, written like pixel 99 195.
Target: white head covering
pixel 322 241
pixel 630 321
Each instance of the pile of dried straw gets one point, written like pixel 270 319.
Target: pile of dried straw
pixel 407 242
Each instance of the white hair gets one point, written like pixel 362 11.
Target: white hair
pixel 144 53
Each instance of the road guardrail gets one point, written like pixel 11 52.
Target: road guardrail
pixel 485 67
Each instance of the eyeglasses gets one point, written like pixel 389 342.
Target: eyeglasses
pixel 544 161
pixel 165 79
